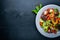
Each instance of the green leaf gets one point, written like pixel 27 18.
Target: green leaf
pixel 48 21
pixel 34 11
pixel 41 6
pixel 46 28
pixel 56 10
pixel 59 15
pixel 44 24
pixel 37 8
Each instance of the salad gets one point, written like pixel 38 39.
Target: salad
pixel 50 20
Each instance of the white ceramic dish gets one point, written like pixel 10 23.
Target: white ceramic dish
pixel 49 35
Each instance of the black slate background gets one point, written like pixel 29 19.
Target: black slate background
pixel 17 22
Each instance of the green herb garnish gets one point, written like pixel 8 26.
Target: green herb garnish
pixel 37 9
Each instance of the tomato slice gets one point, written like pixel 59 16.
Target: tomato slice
pixel 41 23
pixel 54 31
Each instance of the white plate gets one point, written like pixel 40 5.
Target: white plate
pixel 49 35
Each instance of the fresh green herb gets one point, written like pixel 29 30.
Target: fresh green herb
pixel 46 28
pixel 34 11
pixel 37 9
pixel 56 10
pixel 59 15
pixel 41 6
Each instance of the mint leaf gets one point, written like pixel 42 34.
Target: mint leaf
pixel 41 6
pixel 37 9
pixel 34 11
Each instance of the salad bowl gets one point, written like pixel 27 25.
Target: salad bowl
pixel 49 35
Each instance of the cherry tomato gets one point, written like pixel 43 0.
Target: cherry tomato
pixel 54 31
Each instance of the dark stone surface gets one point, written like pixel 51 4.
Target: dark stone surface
pixel 17 22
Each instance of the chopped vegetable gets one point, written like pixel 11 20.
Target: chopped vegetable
pixel 41 23
pixel 56 11
pixel 46 28
pixel 41 20
pixel 46 12
pixel 51 10
pixel 51 20
pixel 59 15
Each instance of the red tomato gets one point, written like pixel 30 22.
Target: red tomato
pixel 54 31
pixel 41 23
pixel 50 10
pixel 48 17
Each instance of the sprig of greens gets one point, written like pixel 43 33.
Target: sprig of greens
pixel 37 9
pixel 56 10
pixel 59 15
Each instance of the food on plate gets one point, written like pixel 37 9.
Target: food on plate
pixel 50 20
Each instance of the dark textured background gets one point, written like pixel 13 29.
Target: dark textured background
pixel 17 22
